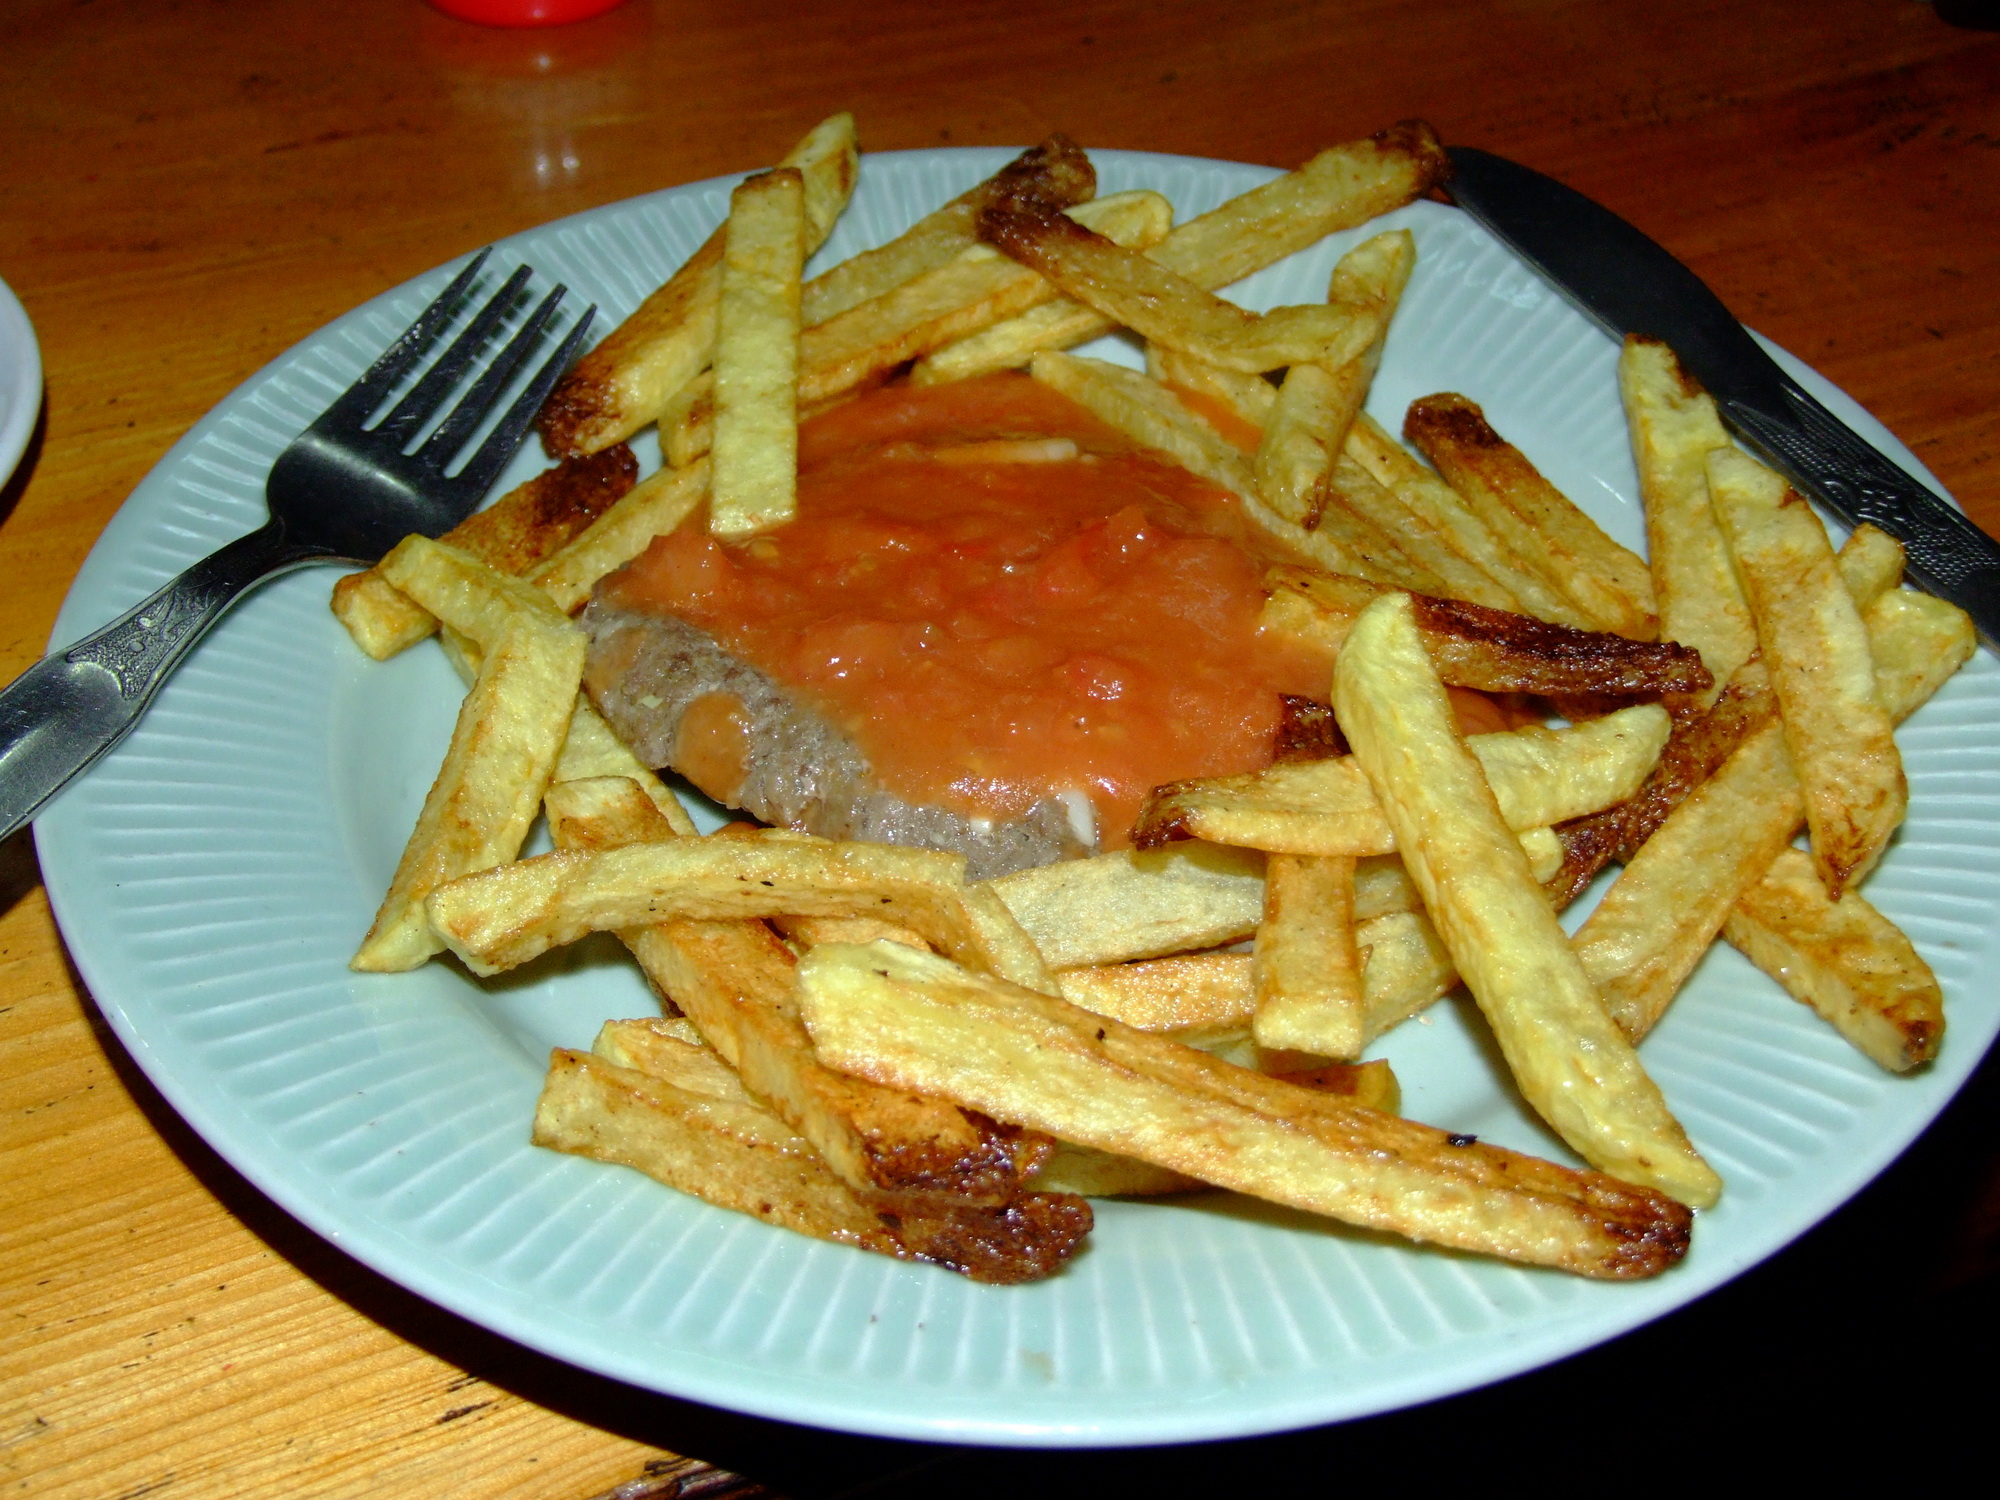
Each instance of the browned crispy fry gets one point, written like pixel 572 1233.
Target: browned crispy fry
pixel 1306 730
pixel 1409 499
pixel 1844 959
pixel 1673 896
pixel 1816 650
pixel 1342 186
pixel 511 535
pixel 1307 974
pixel 916 1021
pixel 1165 307
pixel 1494 650
pixel 623 383
pixel 1608 583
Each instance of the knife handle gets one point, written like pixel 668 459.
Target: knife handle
pixel 1948 555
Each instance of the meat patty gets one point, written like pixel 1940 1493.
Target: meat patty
pixel 682 701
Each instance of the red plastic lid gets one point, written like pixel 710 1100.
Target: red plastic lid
pixel 525 12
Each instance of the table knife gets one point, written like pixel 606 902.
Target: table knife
pixel 1629 284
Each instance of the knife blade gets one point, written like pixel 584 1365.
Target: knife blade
pixel 1629 284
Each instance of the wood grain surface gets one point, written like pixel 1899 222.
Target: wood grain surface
pixel 188 188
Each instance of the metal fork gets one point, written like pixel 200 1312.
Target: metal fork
pixel 341 492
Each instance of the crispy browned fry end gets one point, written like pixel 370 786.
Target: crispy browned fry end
pixel 914 1020
pixel 1339 188
pixel 512 535
pixel 1307 972
pixel 1495 650
pixel 1166 307
pixel 1674 426
pixel 1572 1065
pixel 1372 1084
pixel 1306 730
pixel 1844 959
pixel 622 384
pixel 1610 584
pixel 1056 170
pixel 1665 908
pixel 734 982
pixel 503 749
pixel 1816 649
pixel 656 506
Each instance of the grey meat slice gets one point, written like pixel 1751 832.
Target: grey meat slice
pixel 801 770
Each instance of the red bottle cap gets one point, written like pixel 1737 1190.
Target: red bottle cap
pixel 525 12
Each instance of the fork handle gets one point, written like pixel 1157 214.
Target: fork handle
pixel 73 705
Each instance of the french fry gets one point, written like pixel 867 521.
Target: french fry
pixel 1353 492
pixel 753 483
pixel 503 749
pixel 1494 650
pixel 1158 303
pixel 1343 186
pixel 623 383
pixel 1307 975
pixel 1105 1174
pixel 1328 807
pixel 507 916
pixel 858 347
pixel 657 506
pixel 1571 1063
pixel 1056 170
pixel 1674 428
pixel 593 752
pixel 1607 583
pixel 511 535
pixel 1413 500
pixel 1128 905
pixel 912 1020
pixel 1359 533
pixel 1844 959
pixel 1307 430
pixel 1816 650
pixel 1653 925
pixel 1248 399
pixel 461 592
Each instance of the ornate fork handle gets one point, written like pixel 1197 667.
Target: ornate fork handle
pixel 68 709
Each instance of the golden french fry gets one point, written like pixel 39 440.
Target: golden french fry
pixel 1353 492
pixel 1571 1063
pixel 1056 170
pixel 463 593
pixel 593 752
pixel 1404 968
pixel 863 344
pixel 503 749
pixel 1645 937
pixel 1342 186
pixel 1246 399
pixel 753 483
pixel 511 535
pixel 657 506
pixel 1137 291
pixel 1307 429
pixel 1105 1174
pixel 623 383
pixel 1307 975
pixel 1328 807
pixel 1128 905
pixel 1607 583
pixel 1413 500
pixel 1493 650
pixel 1674 428
pixel 1844 959
pixel 1816 650
pixel 915 1021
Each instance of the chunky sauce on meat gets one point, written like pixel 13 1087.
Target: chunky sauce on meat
pixel 1000 599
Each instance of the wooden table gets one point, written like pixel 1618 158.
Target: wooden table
pixel 186 190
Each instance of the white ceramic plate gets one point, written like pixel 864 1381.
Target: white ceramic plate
pixel 20 381
pixel 213 876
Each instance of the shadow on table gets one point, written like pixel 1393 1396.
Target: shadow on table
pixel 1862 1321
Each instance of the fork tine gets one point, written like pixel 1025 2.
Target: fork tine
pixel 428 394
pixel 484 466
pixel 352 407
pixel 441 446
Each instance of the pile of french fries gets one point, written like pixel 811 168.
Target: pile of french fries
pixel 859 1044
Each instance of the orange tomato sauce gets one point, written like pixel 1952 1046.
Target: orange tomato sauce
pixel 991 621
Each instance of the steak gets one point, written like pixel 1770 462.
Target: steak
pixel 682 701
